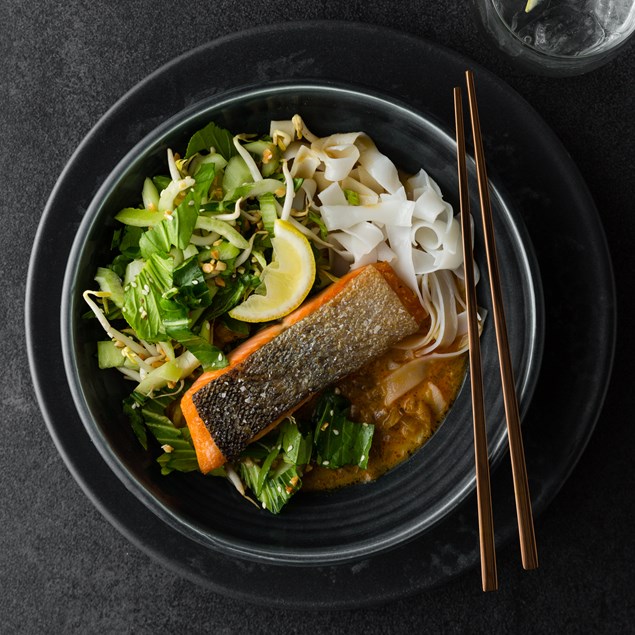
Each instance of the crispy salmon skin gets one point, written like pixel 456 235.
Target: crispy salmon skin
pixel 278 369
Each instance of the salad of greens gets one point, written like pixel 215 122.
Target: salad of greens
pixel 195 248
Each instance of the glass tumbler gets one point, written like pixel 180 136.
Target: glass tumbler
pixel 558 37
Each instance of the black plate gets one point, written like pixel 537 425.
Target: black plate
pixel 554 203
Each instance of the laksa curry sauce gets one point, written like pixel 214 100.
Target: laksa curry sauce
pixel 401 427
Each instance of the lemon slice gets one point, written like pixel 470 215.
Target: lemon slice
pixel 288 278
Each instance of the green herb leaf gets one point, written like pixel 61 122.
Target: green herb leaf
pixel 352 197
pixel 339 441
pixel 297 448
pixel 210 356
pixel 129 243
pixel 142 297
pixel 230 295
pixel 161 182
pixel 132 411
pixel 119 264
pixel 204 178
pixel 179 454
pixel 317 219
pixel 193 291
pixel 212 136
pixel 177 231
pixel 276 489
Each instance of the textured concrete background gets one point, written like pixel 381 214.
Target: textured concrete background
pixel 63 568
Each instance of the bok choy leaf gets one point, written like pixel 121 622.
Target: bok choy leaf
pixel 212 136
pixel 339 441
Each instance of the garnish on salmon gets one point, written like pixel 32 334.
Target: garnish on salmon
pixel 274 372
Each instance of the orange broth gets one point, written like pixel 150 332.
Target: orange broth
pixel 401 428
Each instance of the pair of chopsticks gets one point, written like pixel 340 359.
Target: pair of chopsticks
pixel 527 536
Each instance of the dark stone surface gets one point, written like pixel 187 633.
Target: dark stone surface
pixel 63 568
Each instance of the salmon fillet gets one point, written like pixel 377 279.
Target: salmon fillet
pixel 274 372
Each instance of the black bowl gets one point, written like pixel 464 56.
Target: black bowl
pixel 315 528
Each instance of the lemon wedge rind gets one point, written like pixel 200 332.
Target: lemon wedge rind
pixel 288 278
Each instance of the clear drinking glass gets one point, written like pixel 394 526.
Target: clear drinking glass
pixel 558 37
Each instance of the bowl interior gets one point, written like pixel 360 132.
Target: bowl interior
pixel 315 527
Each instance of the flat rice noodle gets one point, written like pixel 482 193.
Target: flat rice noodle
pixel 361 174
pixel 309 187
pixel 378 165
pixel 429 206
pixel 339 154
pixel 305 163
pixel 422 262
pixel 361 241
pixel 367 234
pixel 292 150
pixel 442 243
pixel 437 295
pixel 436 398
pixel 393 213
pixel 399 241
pixel 366 195
pixel 404 379
pixel 332 195
pixel 385 253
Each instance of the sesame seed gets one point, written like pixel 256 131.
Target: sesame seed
pixel 325 462
pixel 194 281
pixel 336 432
pixel 290 448
pixel 361 458
pixel 191 203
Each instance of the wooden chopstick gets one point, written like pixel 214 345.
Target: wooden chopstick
pixel 487 545
pixel 524 514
